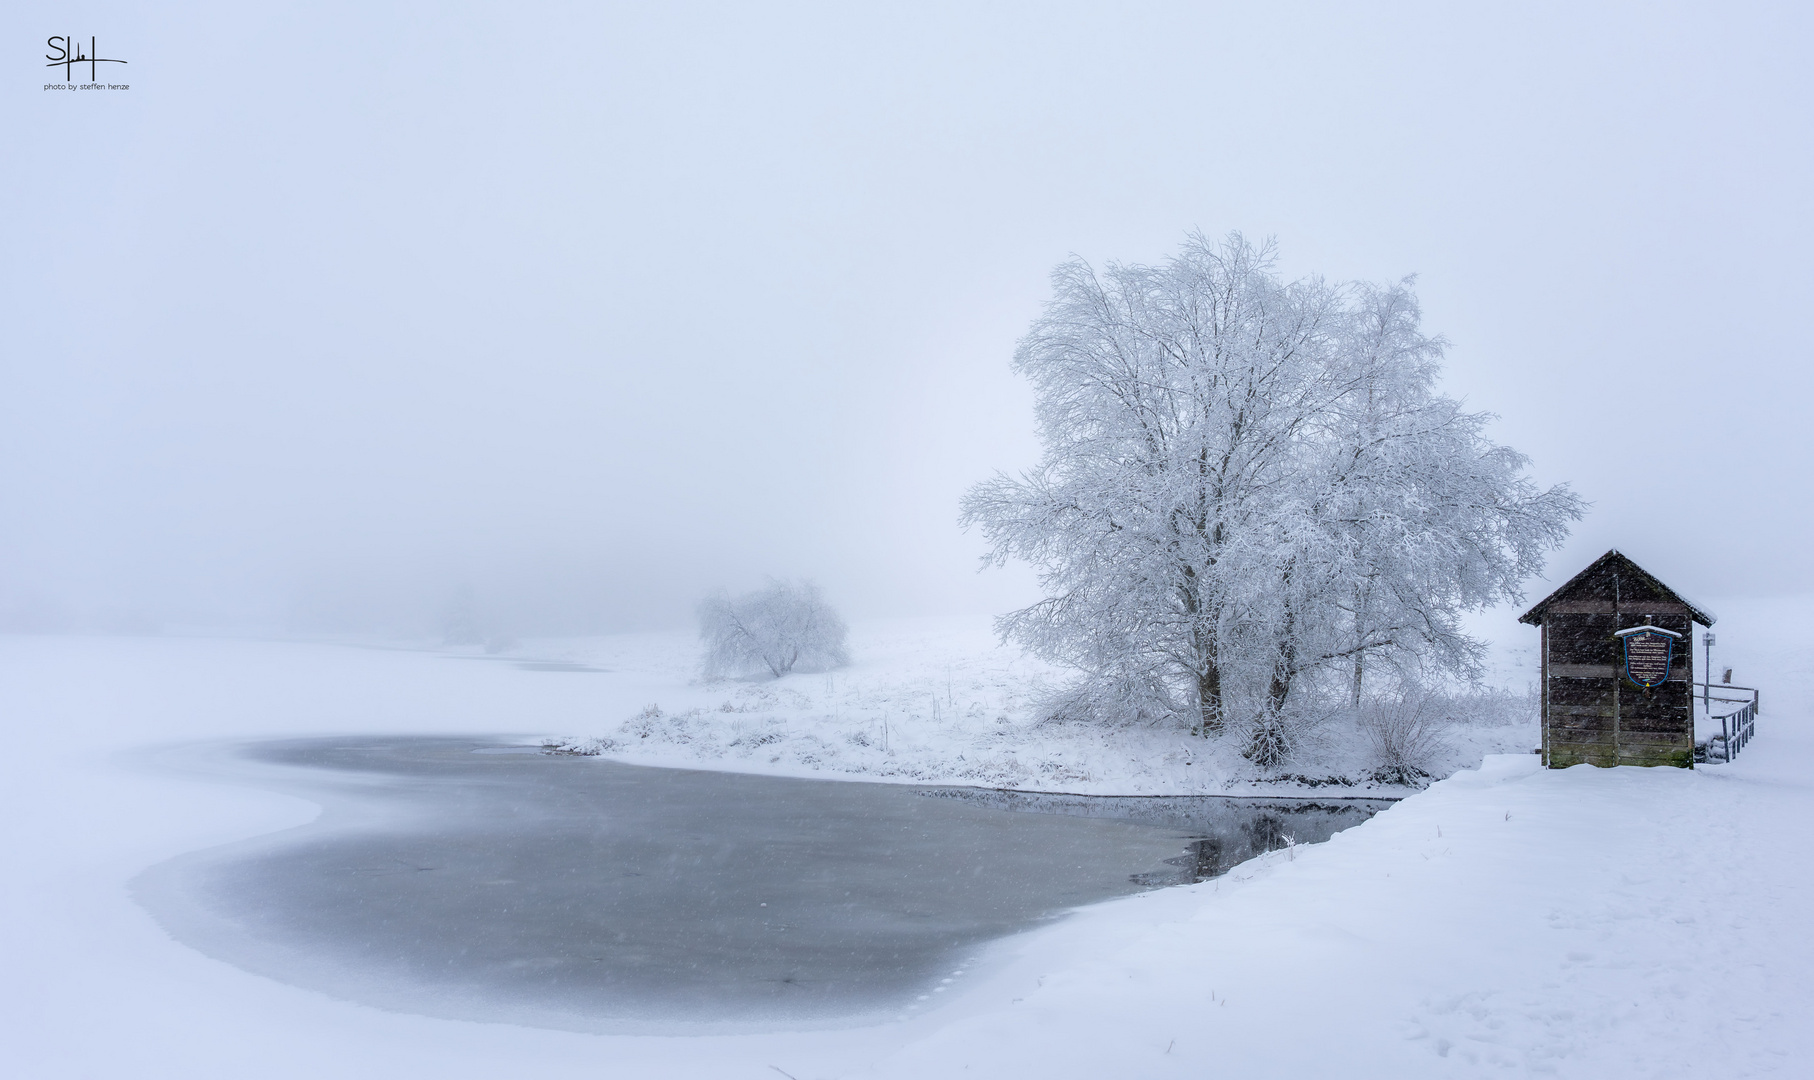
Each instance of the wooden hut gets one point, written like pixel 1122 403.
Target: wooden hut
pixel 1617 668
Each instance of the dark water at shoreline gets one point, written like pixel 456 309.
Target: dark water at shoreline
pixel 1221 831
pixel 578 892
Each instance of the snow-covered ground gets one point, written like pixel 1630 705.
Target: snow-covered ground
pixel 1506 921
pixel 942 701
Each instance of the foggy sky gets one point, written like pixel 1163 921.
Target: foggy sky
pixel 343 308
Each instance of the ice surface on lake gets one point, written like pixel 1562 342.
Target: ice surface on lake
pixel 483 882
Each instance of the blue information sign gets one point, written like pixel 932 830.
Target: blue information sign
pixel 1648 652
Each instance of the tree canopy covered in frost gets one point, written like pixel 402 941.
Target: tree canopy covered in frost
pixel 786 625
pixel 1251 494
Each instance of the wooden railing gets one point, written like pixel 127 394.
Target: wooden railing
pixel 1736 727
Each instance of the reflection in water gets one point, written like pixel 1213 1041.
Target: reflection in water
pixel 1222 832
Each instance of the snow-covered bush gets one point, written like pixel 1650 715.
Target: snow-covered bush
pixel 1272 736
pixel 1114 702
pixel 776 629
pixel 1405 733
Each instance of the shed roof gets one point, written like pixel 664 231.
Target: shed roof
pixel 1583 584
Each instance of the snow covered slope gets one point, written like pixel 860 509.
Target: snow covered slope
pixel 1628 923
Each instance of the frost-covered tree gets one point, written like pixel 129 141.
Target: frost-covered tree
pixel 1414 517
pixel 1248 486
pixel 786 625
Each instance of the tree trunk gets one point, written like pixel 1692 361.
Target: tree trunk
pixel 1284 665
pixel 1209 700
pixel 1209 682
pixel 1206 649
pixel 1281 676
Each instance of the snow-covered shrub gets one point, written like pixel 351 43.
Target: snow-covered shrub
pixel 1268 741
pixel 645 723
pixel 1115 702
pixel 1405 733
pixel 774 629
pixel 772 732
pixel 1271 737
pixel 582 747
pixel 694 729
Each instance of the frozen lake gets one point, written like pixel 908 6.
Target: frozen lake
pixel 457 877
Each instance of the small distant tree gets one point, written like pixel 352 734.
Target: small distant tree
pixel 775 629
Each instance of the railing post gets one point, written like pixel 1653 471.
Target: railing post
pixel 1707 686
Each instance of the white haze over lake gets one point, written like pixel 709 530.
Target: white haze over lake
pixel 344 308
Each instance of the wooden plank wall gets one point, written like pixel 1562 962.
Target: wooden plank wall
pixel 1591 713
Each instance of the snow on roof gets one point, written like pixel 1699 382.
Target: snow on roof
pixel 1645 628
pixel 1703 609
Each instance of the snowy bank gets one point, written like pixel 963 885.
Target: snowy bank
pixel 942 701
pixel 1593 923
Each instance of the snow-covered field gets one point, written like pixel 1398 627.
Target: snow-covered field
pixel 1505 921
